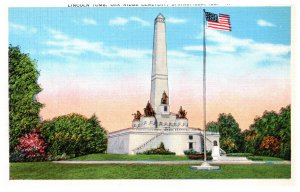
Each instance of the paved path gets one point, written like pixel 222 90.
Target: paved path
pixel 172 162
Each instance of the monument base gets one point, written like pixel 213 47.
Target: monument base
pixel 205 166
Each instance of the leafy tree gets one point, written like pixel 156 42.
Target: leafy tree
pixel 270 134
pixel 74 134
pixel 284 122
pixel 24 107
pixel 230 133
pixel 270 145
pixel 212 126
pixel 250 141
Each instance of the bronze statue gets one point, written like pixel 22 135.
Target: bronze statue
pixel 181 113
pixel 149 112
pixel 165 98
pixel 137 115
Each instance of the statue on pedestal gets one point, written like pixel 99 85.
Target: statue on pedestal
pixel 149 112
pixel 181 114
pixel 137 115
pixel 165 98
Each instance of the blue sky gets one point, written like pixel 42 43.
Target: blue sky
pixel 96 48
pixel 134 29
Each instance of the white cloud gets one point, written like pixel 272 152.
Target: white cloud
pixel 140 21
pixel 229 57
pixel 61 44
pixel 174 20
pixel 193 48
pixel 225 43
pixel 118 21
pixel 132 53
pixel 121 21
pixel 17 28
pixel 264 23
pixel 178 54
pixel 89 21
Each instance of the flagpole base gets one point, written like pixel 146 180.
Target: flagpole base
pixel 205 167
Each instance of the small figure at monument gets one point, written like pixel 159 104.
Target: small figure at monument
pixel 149 112
pixel 165 98
pixel 181 114
pixel 137 115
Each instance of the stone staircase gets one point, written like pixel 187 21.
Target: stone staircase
pixel 147 145
pixel 222 152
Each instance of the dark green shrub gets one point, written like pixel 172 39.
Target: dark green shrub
pixel 17 156
pixel 190 152
pixel 160 150
pixel 74 134
pixel 199 157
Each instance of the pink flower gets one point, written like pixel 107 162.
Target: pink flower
pixel 32 145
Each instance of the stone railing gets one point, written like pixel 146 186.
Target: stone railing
pixel 137 149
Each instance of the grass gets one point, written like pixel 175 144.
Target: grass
pixel 239 154
pixel 125 157
pixel 264 158
pixel 48 170
pixel 121 157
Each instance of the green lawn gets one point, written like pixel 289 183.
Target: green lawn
pixel 264 158
pixel 118 157
pixel 239 154
pixel 48 170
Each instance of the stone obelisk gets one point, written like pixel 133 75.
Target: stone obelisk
pixel 159 78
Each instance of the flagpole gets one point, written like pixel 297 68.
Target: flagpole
pixel 205 165
pixel 204 85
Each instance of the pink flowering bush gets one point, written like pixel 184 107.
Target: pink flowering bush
pixel 32 146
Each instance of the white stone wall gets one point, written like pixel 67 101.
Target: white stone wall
pixel 165 120
pixel 179 142
pixel 211 137
pixel 118 143
pixel 176 140
pixel 147 122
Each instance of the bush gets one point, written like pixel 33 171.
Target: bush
pixel 74 135
pixel 17 156
pixel 190 152
pixel 199 157
pixel 270 146
pixel 160 150
pixel 31 147
pixel 194 155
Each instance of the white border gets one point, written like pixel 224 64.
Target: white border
pixel 138 185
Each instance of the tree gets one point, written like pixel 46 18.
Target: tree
pixel 270 134
pixel 74 134
pixel 270 145
pixel 230 133
pixel 285 132
pixel 24 107
pixel 212 126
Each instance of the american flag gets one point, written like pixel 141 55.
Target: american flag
pixel 219 22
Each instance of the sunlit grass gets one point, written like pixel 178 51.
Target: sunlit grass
pixel 48 170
